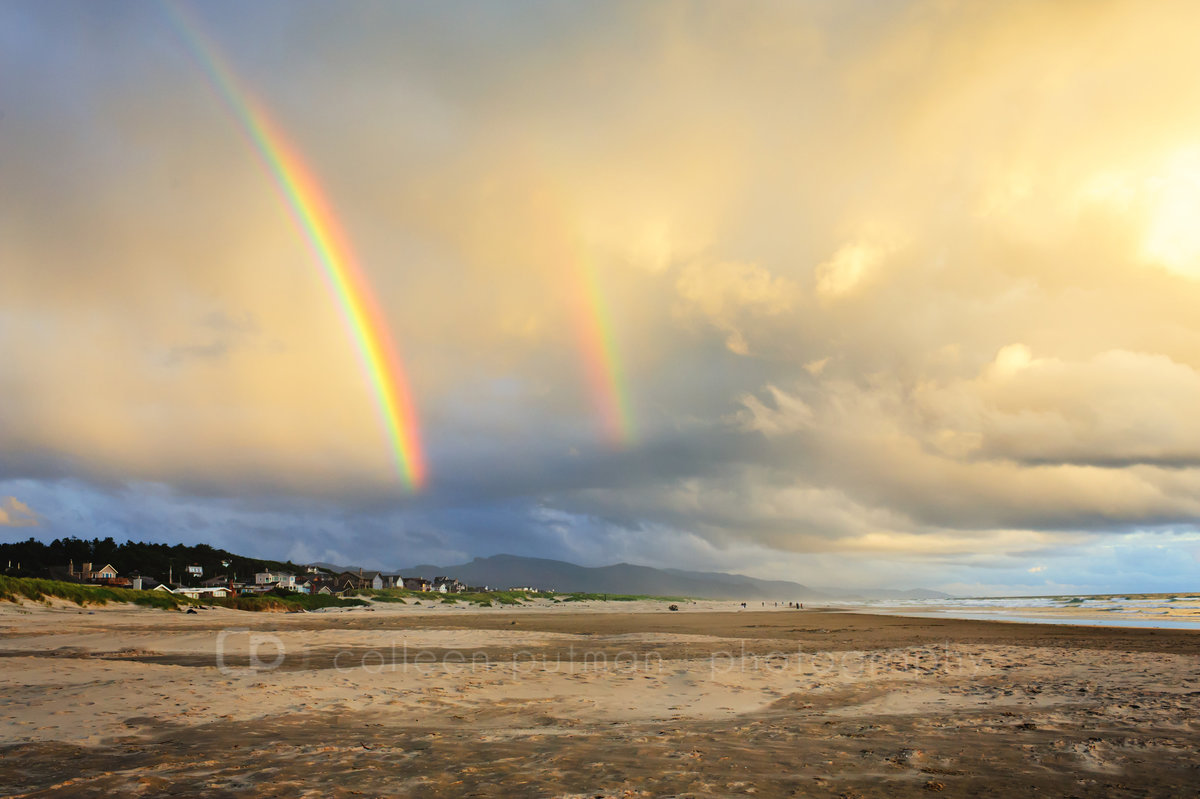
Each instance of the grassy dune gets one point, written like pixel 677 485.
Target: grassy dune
pixel 14 589
pixel 491 598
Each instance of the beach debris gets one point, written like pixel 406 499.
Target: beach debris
pixel 673 607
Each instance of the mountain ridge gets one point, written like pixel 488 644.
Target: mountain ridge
pixel 506 571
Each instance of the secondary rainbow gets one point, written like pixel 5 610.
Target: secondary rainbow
pixel 585 300
pixel 597 342
pixel 315 218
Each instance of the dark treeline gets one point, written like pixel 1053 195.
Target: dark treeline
pixel 34 558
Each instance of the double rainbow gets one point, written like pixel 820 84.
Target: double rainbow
pixel 311 210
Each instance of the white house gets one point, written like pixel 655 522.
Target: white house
pixel 281 579
pixel 216 592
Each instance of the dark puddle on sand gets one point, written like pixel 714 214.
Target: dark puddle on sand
pixel 400 657
pixel 789 749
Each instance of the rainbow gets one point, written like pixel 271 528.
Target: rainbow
pixel 597 343
pixel 595 333
pixel 308 206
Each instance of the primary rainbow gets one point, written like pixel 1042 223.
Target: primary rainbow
pixel 307 204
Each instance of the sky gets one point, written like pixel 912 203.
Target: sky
pixel 855 294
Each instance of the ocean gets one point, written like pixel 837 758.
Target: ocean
pixel 1165 611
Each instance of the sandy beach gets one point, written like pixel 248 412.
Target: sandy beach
pixel 588 700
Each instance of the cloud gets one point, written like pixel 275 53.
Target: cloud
pixel 919 289
pixel 15 513
pixel 852 265
pixel 727 293
pixel 1116 408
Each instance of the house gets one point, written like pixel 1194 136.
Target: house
pixel 417 584
pixel 447 585
pixel 351 581
pixel 139 582
pixel 276 579
pixel 216 592
pixel 392 580
pixel 87 574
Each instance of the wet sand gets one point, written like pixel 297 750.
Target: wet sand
pixel 616 700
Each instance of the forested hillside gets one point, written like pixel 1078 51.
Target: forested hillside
pixel 32 558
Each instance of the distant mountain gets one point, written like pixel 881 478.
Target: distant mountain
pixel 336 569
pixel 507 571
pixel 885 593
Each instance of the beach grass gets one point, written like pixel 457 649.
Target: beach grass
pixel 481 598
pixel 14 589
pixel 289 602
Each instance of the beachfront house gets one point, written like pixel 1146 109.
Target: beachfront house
pixel 417 584
pixel 447 585
pixel 276 579
pixel 86 574
pixel 139 582
pixel 214 592
pixel 350 581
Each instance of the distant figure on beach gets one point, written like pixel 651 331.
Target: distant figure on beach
pixel 743 604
